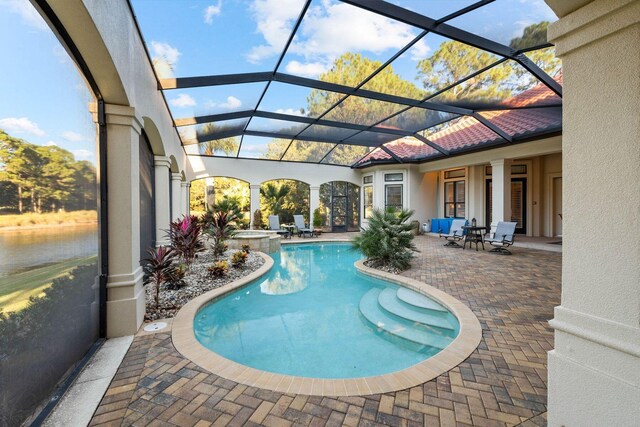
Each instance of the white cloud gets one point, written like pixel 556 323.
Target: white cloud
pixel 420 50
pixel 274 20
pixel 28 13
pixel 21 125
pixel 309 69
pixel 182 101
pixel 291 111
pixel 212 11
pixel 82 154
pixel 165 51
pixel 231 103
pixel 72 136
pixel 358 31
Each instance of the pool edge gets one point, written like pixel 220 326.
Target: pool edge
pixel 463 345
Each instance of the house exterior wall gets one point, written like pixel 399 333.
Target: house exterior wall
pixel 594 369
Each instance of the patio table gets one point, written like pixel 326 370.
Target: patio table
pixel 474 234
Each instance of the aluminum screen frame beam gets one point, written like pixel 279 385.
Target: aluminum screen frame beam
pixel 417 20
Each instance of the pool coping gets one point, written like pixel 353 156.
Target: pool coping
pixel 461 347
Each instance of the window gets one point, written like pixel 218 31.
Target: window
pixel 456 173
pixel 515 170
pixel 393 196
pixel 368 201
pixel 454 205
pixel 367 179
pixel 392 177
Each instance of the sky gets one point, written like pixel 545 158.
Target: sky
pixel 43 98
pixel 210 37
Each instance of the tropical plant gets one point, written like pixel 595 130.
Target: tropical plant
pixel 218 269
pixel 246 248
pixel 238 258
pixel 319 218
pixel 274 196
pixel 232 205
pixel 176 277
pixel 219 228
pixel 388 239
pixel 159 268
pixel 185 235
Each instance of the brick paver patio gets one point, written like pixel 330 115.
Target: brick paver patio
pixel 504 382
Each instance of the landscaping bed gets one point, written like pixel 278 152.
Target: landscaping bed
pixel 198 280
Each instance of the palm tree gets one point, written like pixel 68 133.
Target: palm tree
pixel 274 196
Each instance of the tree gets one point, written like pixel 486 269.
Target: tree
pixel 221 146
pixel 453 61
pixel 273 196
pixel 350 69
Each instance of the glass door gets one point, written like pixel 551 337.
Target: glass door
pixel 518 203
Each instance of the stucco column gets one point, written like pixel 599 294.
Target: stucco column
pixel 209 193
pixel 255 200
pixel 186 185
pixel 594 370
pixel 163 209
pixel 314 203
pixel 500 191
pixel 184 197
pixel 125 293
pixel 176 196
pixel 475 182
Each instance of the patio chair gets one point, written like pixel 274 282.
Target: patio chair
pixel 303 230
pixel 503 237
pixel 456 233
pixel 274 224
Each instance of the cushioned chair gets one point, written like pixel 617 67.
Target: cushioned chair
pixel 503 237
pixel 274 224
pixel 456 233
pixel 303 230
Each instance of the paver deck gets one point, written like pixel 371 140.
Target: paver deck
pixel 503 382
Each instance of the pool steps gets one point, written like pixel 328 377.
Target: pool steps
pixel 390 302
pixel 395 325
pixel 418 300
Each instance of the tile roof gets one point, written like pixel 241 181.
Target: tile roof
pixel 466 132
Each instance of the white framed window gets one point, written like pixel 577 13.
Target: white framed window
pixel 394 190
pixel 455 193
pixel 367 195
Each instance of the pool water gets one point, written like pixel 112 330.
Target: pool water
pixel 305 318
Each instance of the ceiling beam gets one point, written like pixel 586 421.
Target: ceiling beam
pixel 431 144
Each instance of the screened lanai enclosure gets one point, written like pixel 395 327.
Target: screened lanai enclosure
pixel 354 82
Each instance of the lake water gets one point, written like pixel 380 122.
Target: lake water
pixel 25 249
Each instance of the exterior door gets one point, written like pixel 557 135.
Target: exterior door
pixel 518 203
pixel 339 214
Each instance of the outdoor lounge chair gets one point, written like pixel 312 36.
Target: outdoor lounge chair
pixel 455 233
pixel 274 224
pixel 303 230
pixel 503 237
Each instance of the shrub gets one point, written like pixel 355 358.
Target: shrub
pixel 175 279
pixel 246 248
pixel 218 269
pixel 257 220
pixel 319 218
pixel 159 268
pixel 185 235
pixel 219 229
pixel 238 258
pixel 388 240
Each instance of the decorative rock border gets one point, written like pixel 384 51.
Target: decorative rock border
pixel 455 353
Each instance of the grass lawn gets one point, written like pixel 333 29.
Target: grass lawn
pixel 31 219
pixel 16 289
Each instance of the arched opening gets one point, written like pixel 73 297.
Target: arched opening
pixel 339 206
pixel 223 192
pixel 285 198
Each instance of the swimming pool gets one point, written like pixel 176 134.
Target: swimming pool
pixel 313 315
